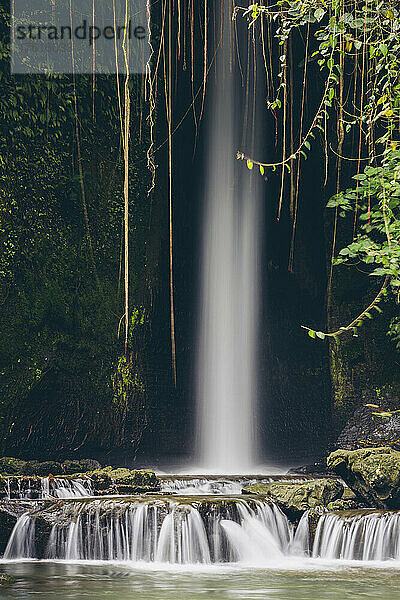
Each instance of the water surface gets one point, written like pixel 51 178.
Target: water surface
pixel 63 581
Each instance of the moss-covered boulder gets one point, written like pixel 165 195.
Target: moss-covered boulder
pixel 372 473
pixel 296 497
pixel 124 481
pixel 11 466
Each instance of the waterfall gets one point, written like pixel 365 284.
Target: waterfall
pixel 230 288
pixel 156 531
pixel 371 536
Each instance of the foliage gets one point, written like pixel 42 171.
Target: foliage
pixel 360 42
pixel 60 293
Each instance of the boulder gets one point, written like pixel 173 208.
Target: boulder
pixel 314 515
pixel 296 497
pixel 372 473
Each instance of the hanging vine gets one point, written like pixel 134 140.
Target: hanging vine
pixel 358 51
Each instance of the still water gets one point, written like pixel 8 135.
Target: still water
pixel 316 581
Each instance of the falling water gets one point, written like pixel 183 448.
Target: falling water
pixel 227 373
pixel 156 531
pixel 368 536
pixel 22 539
pixel 46 487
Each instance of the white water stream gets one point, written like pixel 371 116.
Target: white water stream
pixel 230 290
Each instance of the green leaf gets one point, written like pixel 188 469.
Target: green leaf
pixel 249 164
pixel 320 334
pixel 262 170
pixel 384 49
pixel 319 14
pixel 311 333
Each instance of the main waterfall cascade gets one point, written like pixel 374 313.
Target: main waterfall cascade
pixel 230 290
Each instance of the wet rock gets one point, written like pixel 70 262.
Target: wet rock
pixel 316 469
pixel 10 511
pixel 372 473
pixel 7 522
pixel 295 498
pixel 366 429
pixel 314 515
pixel 6 580
pixel 15 486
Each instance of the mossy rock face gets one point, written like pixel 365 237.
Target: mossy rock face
pixel 42 469
pixel 372 473
pixel 295 498
pixel 11 466
pixel 89 464
pixel 70 467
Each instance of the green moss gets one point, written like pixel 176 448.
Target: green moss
pixel 372 473
pixel 295 498
pixel 11 466
pixel 124 480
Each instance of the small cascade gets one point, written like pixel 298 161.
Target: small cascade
pixel 70 488
pixel 42 488
pixel 261 535
pixel 22 539
pixel 199 486
pixel 371 536
pixel 225 484
pixel 156 531
pixel 301 541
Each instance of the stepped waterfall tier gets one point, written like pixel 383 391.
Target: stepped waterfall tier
pixel 197 529
pixel 178 531
pixel 366 537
